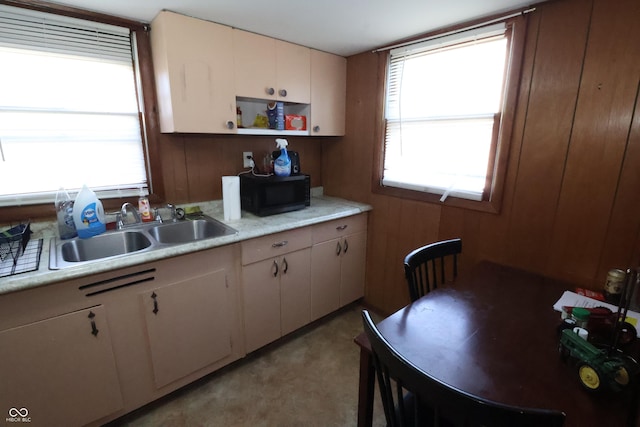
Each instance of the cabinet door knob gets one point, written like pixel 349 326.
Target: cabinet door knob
pixel 230 125
pixel 270 91
pixel 275 271
pixel 285 264
pixel 283 92
pixel 342 227
pixel 338 249
pixel 346 246
pixel 280 244
pixel 316 128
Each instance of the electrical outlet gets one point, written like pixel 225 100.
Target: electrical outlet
pixel 247 156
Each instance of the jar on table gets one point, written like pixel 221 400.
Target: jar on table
pixel 614 285
pixel 581 316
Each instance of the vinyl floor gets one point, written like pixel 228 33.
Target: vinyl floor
pixel 309 378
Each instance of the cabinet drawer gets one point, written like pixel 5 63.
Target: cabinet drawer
pixel 339 227
pixel 275 244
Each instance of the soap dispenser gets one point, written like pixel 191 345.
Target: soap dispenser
pixel 144 208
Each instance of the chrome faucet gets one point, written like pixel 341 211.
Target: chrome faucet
pixel 122 215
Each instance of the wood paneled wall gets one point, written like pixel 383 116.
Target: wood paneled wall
pixel 571 207
pixel 193 165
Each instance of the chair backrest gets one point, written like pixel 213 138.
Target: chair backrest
pixel 433 402
pixel 424 268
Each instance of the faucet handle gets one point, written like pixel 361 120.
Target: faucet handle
pixel 119 221
pixel 156 215
pixel 174 216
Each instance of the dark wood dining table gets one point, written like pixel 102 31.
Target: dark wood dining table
pixel 493 333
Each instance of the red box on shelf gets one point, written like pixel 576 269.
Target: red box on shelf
pixel 295 122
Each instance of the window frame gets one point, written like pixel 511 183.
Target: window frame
pixel 500 147
pixel 143 69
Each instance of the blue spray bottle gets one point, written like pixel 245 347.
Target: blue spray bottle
pixel 282 165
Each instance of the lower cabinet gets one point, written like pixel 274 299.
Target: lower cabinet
pixel 292 278
pixel 89 350
pixel 275 286
pixel 188 325
pixel 59 371
pixel 338 257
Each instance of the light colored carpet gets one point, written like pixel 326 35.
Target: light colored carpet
pixel 307 379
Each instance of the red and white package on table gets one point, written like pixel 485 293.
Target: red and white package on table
pixel 591 294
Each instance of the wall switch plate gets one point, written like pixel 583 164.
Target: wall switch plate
pixel 247 156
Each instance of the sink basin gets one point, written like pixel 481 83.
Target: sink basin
pixel 144 237
pixel 104 246
pixel 189 231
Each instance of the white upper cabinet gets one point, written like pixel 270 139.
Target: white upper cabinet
pixel 328 93
pixel 205 70
pixel 271 69
pixel 193 63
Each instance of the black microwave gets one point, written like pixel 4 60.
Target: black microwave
pixel 269 195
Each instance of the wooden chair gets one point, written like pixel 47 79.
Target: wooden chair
pixel 422 265
pixel 411 397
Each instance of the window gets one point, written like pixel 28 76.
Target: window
pixel 444 114
pixel 69 111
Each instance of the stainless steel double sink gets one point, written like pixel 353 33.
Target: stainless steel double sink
pixel 134 239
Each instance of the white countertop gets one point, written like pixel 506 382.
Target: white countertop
pixel 249 226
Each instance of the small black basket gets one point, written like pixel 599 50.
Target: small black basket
pixel 14 240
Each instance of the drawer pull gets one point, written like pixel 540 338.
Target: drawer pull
pixel 154 296
pixel 279 244
pixel 338 249
pixel 94 329
pixel 346 246
pixel 341 227
pixel 285 264
pixel 275 272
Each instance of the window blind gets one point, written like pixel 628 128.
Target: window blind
pixel 69 112
pixel 27 29
pixel 437 110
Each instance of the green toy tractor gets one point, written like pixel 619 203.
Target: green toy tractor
pixel 597 369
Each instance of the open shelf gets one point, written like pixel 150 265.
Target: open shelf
pixel 251 107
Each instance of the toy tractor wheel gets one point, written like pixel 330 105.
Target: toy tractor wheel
pixel 589 377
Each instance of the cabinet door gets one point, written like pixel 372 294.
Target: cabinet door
pixel 325 278
pixel 188 325
pixel 254 59
pixel 293 66
pixel 60 371
pixel 295 291
pixel 352 267
pixel 261 296
pixel 328 93
pixel 193 63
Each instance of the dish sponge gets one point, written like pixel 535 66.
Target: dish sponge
pixel 193 210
